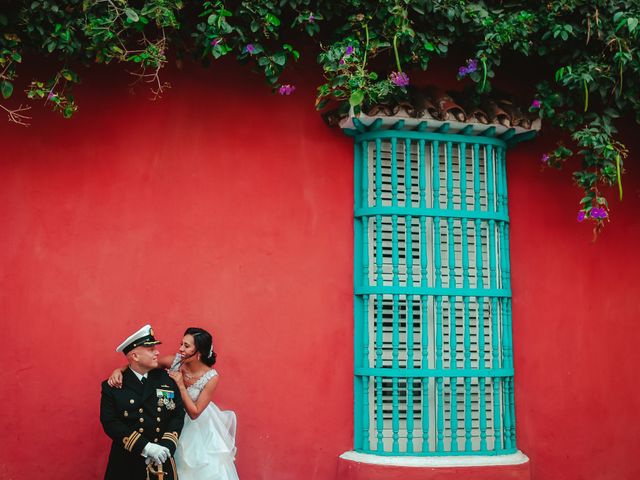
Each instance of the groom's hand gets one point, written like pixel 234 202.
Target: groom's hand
pixel 155 452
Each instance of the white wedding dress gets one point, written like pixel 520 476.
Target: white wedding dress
pixel 206 447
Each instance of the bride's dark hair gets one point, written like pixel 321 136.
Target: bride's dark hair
pixel 204 344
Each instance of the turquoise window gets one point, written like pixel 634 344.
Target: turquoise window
pixel 433 347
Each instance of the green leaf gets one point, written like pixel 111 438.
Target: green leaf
pixel 618 175
pixel 6 88
pixel 272 19
pixel 356 98
pixel 321 104
pixel 632 23
pixel 280 58
pixel 67 75
pixel 131 14
pixel 429 47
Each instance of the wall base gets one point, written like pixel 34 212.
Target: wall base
pixel 358 466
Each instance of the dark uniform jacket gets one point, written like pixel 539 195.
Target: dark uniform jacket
pixel 138 414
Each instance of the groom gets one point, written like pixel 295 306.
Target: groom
pixel 144 417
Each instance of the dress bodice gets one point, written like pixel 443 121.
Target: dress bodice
pixel 195 389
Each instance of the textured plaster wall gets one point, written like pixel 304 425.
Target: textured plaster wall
pixel 225 207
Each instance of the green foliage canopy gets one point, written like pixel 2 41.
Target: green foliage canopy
pixel 368 49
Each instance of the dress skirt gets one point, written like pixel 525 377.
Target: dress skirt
pixel 206 449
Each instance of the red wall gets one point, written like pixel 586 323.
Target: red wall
pixel 220 206
pixel 576 329
pixel 225 207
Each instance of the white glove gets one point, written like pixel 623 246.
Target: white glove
pixel 155 452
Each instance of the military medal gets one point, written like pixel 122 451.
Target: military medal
pixel 165 397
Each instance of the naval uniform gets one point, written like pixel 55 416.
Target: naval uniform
pixel 138 414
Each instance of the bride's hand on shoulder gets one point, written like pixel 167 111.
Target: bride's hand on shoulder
pixel 115 380
pixel 177 377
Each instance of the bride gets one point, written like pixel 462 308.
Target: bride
pixel 206 447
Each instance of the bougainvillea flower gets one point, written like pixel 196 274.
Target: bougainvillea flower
pixel 536 103
pixel 599 212
pixel 545 158
pixel 286 89
pixel 52 96
pixel 215 42
pixel 349 50
pixel 581 215
pixel 250 48
pixel 472 66
pixel 311 18
pixel 399 79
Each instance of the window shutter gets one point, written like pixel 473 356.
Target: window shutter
pixel 433 365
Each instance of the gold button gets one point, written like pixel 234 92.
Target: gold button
pixel 157 429
pixel 141 410
pixel 158 419
pixel 141 430
pixel 155 440
pixel 126 414
pixel 142 420
pixel 159 409
pixel 131 401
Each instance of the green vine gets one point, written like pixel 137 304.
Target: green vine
pixel 367 50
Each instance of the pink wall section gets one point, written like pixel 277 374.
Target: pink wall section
pixel 225 207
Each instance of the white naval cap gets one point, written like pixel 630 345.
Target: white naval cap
pixel 143 337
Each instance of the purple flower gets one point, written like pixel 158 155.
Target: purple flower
pixel 399 79
pixel 215 42
pixel 311 18
pixel 286 89
pixel 250 48
pixel 536 103
pixel 472 66
pixel 545 158
pixel 348 51
pixel 52 96
pixel 341 62
pixel 598 212
pixel 581 215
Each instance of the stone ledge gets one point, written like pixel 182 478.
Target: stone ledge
pixel 359 466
